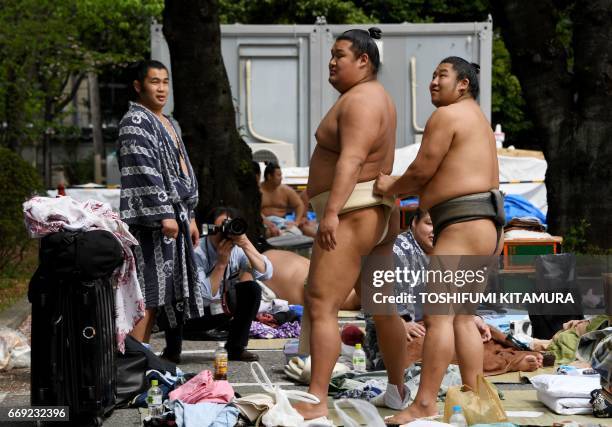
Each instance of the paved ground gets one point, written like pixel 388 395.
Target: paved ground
pixel 197 356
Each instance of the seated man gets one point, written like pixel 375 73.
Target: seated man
pixel 411 250
pixel 230 259
pixel 278 199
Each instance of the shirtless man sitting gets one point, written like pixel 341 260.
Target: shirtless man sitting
pixel 277 199
pixel 355 141
pixel 456 176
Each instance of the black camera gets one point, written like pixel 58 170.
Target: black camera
pixel 229 227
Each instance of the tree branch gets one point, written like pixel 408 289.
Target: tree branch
pixel 62 102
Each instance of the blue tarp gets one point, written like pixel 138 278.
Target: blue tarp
pixel 516 206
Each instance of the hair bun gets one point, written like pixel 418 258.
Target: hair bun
pixel 476 67
pixel 375 32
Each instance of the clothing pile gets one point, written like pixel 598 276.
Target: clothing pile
pixel 286 330
pixel 371 384
pixel 189 399
pixel 276 318
pixel 200 401
pixel 45 215
pixel 566 394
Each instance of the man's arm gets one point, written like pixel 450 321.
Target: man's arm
pixel 211 283
pixel 358 127
pixel 295 202
pixel 251 258
pixel 437 138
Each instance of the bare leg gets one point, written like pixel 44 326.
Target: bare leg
pixel 352 302
pixel 438 350
pixel 142 329
pixel 390 329
pixel 469 348
pixel 332 276
pixel 309 228
pixel 290 273
pixel 467 238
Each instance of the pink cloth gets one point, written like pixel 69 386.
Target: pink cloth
pixel 45 215
pixel 202 388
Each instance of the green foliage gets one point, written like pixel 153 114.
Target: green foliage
pixel 79 171
pixel 19 181
pixel 507 105
pixel 290 12
pixel 47 47
pixel 576 241
pixel 394 11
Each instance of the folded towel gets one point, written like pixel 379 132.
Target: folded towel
pixel 566 405
pixel 566 385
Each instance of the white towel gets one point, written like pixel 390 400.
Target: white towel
pixel 566 405
pixel 566 385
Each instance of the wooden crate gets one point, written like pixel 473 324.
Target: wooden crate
pixel 519 254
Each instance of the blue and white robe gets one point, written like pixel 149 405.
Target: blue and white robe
pixel 153 188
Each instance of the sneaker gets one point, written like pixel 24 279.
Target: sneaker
pixel 243 356
pixel 391 398
pixel 602 404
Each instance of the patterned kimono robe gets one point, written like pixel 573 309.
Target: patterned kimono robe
pixel 407 253
pixel 153 188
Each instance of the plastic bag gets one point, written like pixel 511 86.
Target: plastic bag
pixel 367 411
pixel 282 413
pixel 479 406
pixel 14 350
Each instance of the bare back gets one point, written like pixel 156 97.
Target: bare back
pixel 470 165
pixel 381 116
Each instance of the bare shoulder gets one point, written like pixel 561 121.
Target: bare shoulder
pixel 367 98
pixel 444 116
pixel 287 189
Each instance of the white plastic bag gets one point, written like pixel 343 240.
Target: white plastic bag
pixel 14 350
pixel 282 413
pixel 368 412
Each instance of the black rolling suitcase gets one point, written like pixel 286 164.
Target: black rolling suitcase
pixel 73 340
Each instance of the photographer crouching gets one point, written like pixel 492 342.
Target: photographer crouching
pixel 227 266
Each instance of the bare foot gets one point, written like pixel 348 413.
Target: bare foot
pixel 540 359
pixel 310 411
pixel 412 413
pixel 528 363
pixel 539 345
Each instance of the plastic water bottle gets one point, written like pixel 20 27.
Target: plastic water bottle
pixel 154 400
pixel 500 136
pixel 359 359
pixel 221 362
pixel 457 419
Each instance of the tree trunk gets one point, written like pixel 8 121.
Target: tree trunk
pixel 96 122
pixel 571 109
pixel 15 114
pixel 203 106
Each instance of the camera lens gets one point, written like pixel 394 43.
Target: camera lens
pixel 237 226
